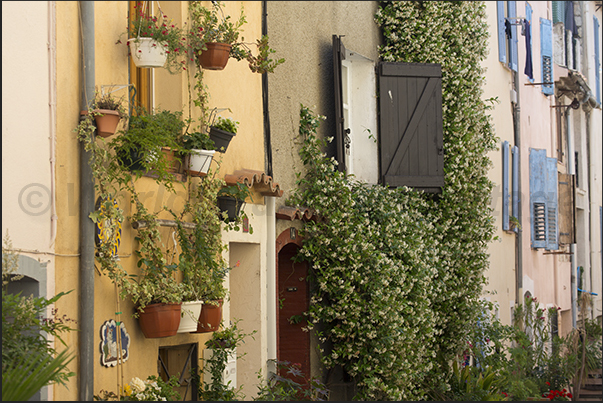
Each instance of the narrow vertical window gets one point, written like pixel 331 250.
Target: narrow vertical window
pixel 140 95
pixel 513 54
pixel 597 66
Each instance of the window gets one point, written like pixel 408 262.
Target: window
pixel 505 184
pixel 543 200
pixel 410 149
pixel 507 33
pixel 356 113
pixel 140 93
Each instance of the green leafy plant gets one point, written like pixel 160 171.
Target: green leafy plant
pixel 226 124
pixel 290 383
pixel 154 388
pixel 157 282
pixel 239 192
pixel 29 361
pixel 139 147
pixel 222 343
pixel 197 139
pixel 212 25
pixel 163 30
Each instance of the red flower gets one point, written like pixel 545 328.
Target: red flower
pixel 548 383
pixel 569 395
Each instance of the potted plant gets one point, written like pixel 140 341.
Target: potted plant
pixel 222 131
pixel 154 388
pixel 231 199
pixel 214 37
pixel 211 37
pixel 199 150
pixel 221 348
pixel 155 292
pixel 151 143
pixel 155 41
pixel 107 111
pixel 200 260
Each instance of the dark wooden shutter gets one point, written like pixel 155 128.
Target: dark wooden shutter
pixel 411 131
pixel 338 56
pixel 552 212
pixel 567 219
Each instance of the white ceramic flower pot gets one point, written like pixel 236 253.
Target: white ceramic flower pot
pixel 199 162
pixel 190 316
pixel 147 52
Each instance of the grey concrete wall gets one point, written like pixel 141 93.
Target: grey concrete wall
pixel 301 32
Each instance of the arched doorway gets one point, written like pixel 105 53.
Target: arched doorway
pixel 293 343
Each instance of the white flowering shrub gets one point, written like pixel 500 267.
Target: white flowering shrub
pixel 399 273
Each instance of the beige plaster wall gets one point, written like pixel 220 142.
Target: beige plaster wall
pixel 499 83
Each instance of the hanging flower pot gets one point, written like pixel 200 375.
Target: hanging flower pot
pixel 106 121
pixel 230 205
pixel 189 316
pixel 147 52
pixel 221 138
pixel 199 161
pixel 160 320
pixel 173 162
pixel 215 57
pixel 210 317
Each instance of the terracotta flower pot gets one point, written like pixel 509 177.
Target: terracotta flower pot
pixel 215 57
pixel 210 317
pixel 106 123
pixel 174 164
pixel 160 320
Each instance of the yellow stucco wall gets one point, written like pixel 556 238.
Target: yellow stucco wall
pixel 236 87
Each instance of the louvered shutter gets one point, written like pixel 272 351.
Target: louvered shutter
pixel 411 130
pixel 567 221
pixel 546 55
pixel 538 197
pixel 502 37
pixel 552 213
pixel 505 184
pixel 512 12
pixel 338 55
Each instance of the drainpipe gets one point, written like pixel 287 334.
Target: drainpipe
pixel 267 139
pixel 86 334
pixel 518 202
pixel 572 171
pixel 271 281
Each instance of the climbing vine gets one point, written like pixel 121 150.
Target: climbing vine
pixel 399 273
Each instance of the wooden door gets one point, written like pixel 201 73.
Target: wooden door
pixel 293 294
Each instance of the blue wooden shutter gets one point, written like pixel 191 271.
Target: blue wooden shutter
pixel 552 211
pixel 597 59
pixel 502 37
pixel 546 55
pixel 512 13
pixel 515 178
pixel 505 185
pixel 538 199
